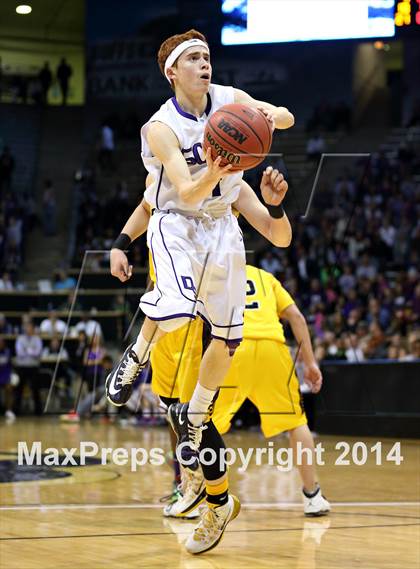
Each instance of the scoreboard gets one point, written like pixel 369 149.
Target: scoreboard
pixel 276 21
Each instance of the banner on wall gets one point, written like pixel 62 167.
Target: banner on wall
pixel 128 69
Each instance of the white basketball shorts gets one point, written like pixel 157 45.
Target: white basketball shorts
pixel 199 265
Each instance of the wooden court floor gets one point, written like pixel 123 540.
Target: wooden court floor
pixel 106 516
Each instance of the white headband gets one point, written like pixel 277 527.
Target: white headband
pixel 173 56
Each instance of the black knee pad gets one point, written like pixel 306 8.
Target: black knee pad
pixel 232 345
pixel 212 439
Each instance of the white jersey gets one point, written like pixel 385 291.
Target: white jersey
pixel 189 130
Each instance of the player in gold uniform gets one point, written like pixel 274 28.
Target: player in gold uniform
pixel 262 371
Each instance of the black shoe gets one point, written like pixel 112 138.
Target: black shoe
pixel 188 435
pixel 119 383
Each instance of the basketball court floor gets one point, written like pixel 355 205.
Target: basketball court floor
pixel 100 516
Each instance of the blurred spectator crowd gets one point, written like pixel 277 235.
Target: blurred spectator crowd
pixel 17 217
pixel 330 117
pixel 100 219
pixel 34 88
pixel 354 266
pixel 63 376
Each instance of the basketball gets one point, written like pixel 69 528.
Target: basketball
pixel 240 134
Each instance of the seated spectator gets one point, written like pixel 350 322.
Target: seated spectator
pixel 352 302
pixel 413 347
pixel 387 234
pixel 347 281
pixel 25 320
pixel 357 244
pixel 367 268
pixel 353 320
pixel 143 400
pixel 5 326
pixel 52 325
pixel 53 354
pixel 95 400
pixel 316 294
pixel 92 363
pixel 337 323
pixel 6 387
pixel 66 304
pixel 393 352
pixel 416 301
pixel 14 233
pixel 49 209
pixel 28 349
pixel 107 148
pixel 6 282
pixel 79 352
pixel 378 313
pixel 375 347
pixel 335 349
pixel 62 281
pixel 89 326
pixel 354 352
pixel 315 147
pixel 270 263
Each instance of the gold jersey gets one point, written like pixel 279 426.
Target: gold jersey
pixel 266 299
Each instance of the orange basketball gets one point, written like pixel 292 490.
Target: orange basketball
pixel 240 134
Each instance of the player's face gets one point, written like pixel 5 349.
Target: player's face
pixel 193 71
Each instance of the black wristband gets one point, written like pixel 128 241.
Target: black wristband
pixel 276 211
pixel 122 242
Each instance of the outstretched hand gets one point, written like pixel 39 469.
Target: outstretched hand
pixel 273 186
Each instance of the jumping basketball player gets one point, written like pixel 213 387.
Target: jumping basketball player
pixel 197 249
pixel 262 371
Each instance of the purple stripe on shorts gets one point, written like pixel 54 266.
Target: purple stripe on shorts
pixel 156 275
pixel 158 188
pixel 210 323
pixel 172 316
pixel 227 325
pixel 229 339
pixel 204 318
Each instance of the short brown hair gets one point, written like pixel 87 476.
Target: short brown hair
pixel 170 44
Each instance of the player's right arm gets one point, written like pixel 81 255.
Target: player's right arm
pixel 294 316
pixel 165 146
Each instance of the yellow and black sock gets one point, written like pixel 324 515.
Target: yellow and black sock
pixel 218 494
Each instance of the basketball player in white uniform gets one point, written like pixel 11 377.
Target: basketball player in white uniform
pixel 197 251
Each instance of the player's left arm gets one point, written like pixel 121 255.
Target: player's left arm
pixel 294 316
pixel 273 188
pixel 281 116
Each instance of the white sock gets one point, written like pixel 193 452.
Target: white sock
pixel 199 404
pixel 143 347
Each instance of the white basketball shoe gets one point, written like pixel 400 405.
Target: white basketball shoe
pixel 193 494
pixel 315 505
pixel 211 528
